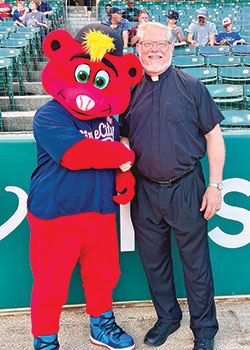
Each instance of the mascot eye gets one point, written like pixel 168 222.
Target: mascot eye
pixel 101 79
pixel 82 73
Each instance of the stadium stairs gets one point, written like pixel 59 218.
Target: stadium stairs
pixel 21 118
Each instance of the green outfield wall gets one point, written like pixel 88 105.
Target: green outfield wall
pixel 229 231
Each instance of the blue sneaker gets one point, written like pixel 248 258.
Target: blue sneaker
pixel 46 342
pixel 105 332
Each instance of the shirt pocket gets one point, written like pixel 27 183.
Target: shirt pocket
pixel 175 113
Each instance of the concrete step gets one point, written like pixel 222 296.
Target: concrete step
pixel 77 9
pixel 74 27
pixel 77 15
pixel 24 103
pixel 30 88
pixel 17 121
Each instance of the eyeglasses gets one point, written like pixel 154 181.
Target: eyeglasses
pixel 161 44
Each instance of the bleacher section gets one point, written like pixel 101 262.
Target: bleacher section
pixel 224 69
pixel 21 61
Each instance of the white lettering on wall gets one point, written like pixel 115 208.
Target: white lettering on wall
pixel 126 229
pixel 233 213
pixel 16 219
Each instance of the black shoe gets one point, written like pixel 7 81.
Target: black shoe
pixel 157 335
pixel 203 344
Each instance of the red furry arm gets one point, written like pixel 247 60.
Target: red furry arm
pixel 125 183
pixel 91 153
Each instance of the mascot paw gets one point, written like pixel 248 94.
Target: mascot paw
pixel 125 183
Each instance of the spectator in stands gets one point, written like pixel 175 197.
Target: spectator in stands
pixel 177 32
pixel 228 37
pixel 20 11
pixel 119 24
pixel 5 9
pixel 35 18
pixel 23 5
pixel 87 6
pixel 202 32
pixel 106 17
pixel 131 13
pixel 133 38
pixel 45 8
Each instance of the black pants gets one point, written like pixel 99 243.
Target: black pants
pixel 86 3
pixel 155 210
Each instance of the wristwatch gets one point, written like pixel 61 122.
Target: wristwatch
pixel 219 185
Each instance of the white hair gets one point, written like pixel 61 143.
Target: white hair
pixel 143 27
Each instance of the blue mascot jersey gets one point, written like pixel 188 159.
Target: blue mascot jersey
pixel 56 191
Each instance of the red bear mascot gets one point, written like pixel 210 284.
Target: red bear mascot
pixel 72 202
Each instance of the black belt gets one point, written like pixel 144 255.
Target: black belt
pixel 171 180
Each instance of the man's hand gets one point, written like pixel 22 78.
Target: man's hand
pixel 126 166
pixel 211 202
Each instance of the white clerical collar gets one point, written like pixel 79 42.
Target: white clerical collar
pixel 155 77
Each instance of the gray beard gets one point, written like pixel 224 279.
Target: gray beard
pixel 155 69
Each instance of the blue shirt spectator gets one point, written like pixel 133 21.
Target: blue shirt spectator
pixel 228 37
pixel 45 8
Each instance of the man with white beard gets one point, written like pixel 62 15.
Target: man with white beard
pixel 169 124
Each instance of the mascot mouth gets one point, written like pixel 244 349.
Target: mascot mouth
pixel 84 103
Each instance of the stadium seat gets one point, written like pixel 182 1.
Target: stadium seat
pixel 182 51
pixel 16 57
pixel 227 95
pixel 223 61
pixel 205 74
pixel 128 50
pixel 245 60
pixel 7 26
pixel 31 37
pixel 3 35
pixel 236 118
pixel 35 30
pixel 188 61
pixel 19 44
pixel 6 79
pixel 234 75
pixel 213 50
pixel 241 50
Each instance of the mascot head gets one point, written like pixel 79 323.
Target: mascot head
pixel 89 75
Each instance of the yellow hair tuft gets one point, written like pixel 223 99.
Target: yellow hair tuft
pixel 97 44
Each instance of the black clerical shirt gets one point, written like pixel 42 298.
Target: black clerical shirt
pixel 166 122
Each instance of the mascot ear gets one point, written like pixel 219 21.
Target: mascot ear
pixel 132 68
pixel 55 41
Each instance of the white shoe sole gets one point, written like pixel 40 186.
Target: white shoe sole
pixel 98 343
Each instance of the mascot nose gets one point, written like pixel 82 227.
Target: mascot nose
pixel 84 102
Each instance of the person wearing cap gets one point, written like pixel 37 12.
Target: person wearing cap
pixel 133 38
pixel 174 114
pixel 201 32
pixel 228 37
pixel 131 13
pixel 119 24
pixel 177 32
